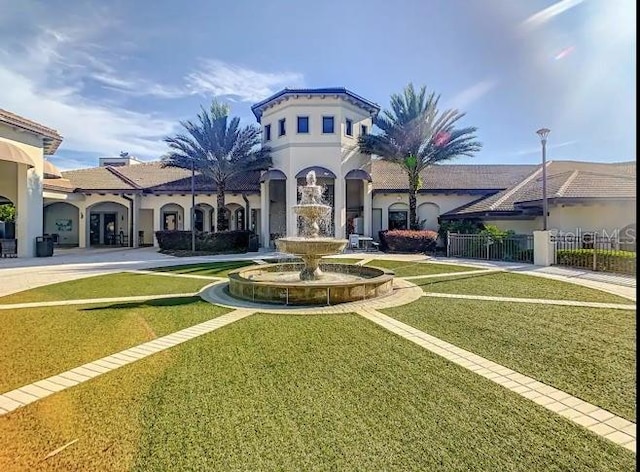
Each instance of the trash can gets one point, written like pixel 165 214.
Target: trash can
pixel 44 246
pixel 253 243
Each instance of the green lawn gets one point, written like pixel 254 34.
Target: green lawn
pixel 106 286
pixel 410 268
pixel 214 269
pixel 588 352
pixel 298 393
pixel 40 342
pixel 508 284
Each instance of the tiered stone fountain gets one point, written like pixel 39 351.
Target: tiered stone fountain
pixel 310 282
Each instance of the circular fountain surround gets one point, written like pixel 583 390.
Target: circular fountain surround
pixel 281 283
pixel 310 282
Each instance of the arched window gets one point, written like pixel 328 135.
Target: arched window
pixel 399 216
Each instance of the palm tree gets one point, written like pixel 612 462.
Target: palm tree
pixel 217 147
pixel 416 135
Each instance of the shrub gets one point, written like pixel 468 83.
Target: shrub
pixel 220 242
pixel 406 240
pixel 623 262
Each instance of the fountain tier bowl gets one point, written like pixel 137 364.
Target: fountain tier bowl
pixel 281 284
pixel 316 247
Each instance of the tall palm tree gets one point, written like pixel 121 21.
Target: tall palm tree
pixel 217 147
pixel 416 135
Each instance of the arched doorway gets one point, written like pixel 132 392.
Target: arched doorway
pixel 233 217
pixel 203 217
pixel 62 222
pixel 171 217
pixel 108 224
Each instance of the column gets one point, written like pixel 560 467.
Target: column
pixel 136 220
pixel 340 211
pixel 264 213
pixel 385 216
pixel 29 210
pixel 186 217
pixel 367 189
pixel 83 226
pixel 157 223
pixel 292 199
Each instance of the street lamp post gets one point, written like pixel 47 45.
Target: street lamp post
pixel 193 208
pixel 543 133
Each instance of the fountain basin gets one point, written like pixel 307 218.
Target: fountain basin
pixel 311 250
pixel 282 284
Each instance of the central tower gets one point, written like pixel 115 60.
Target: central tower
pixel 315 130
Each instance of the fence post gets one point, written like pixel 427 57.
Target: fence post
pixel 448 243
pixel 594 263
pixel 543 250
pixel 488 244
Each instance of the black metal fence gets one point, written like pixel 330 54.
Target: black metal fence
pixel 596 252
pixel 516 248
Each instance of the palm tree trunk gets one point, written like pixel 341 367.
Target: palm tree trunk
pixel 220 210
pixel 413 193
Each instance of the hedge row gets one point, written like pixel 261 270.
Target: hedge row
pixel 409 241
pixel 623 262
pixel 220 242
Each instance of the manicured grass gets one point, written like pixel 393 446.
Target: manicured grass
pixel 508 284
pixel 40 342
pixel 588 352
pixel 107 286
pixel 214 269
pixel 298 393
pixel 410 268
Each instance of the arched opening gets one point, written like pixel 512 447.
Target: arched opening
pixel 326 179
pixel 428 214
pixel 108 224
pixel 275 210
pixel 398 216
pixel 172 217
pixel 203 217
pixel 356 181
pixel 62 223
pixel 233 217
pixel 7 218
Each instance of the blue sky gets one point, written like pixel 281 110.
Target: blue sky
pixel 117 75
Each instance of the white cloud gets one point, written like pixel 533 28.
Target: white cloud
pixel 538 150
pixel 44 80
pixel 466 97
pixel 545 15
pixel 219 78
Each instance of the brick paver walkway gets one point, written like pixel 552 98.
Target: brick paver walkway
pixel 22 396
pixel 594 418
pixel 542 301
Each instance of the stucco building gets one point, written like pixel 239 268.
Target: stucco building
pixel 124 201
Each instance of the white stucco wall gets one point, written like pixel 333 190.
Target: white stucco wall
pixel 62 211
pixel 595 217
pixel 28 188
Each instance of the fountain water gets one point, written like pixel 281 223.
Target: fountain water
pixel 311 247
pixel 310 282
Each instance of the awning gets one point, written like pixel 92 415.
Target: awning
pixel 321 172
pixel 358 174
pixel 273 174
pixel 12 153
pixel 51 171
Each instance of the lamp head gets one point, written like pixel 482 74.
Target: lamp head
pixel 543 133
